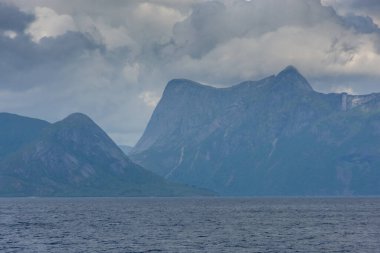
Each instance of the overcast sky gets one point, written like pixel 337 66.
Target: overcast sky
pixel 112 59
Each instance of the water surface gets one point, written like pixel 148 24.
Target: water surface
pixel 189 225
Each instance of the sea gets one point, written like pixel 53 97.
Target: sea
pixel 190 225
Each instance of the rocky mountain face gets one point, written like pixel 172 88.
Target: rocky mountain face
pixel 275 136
pixel 72 157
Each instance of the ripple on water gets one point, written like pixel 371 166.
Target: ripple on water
pixel 190 225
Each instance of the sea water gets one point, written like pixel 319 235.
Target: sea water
pixel 190 225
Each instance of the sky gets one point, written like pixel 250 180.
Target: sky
pixel 112 59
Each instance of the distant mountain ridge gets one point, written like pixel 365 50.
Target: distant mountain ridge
pixel 15 131
pixel 72 157
pixel 275 136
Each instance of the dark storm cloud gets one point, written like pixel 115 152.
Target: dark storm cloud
pixel 65 47
pixel 25 64
pixel 360 23
pixel 13 19
pixel 365 4
pixel 363 8
pixel 203 29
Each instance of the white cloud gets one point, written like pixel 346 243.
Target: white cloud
pixel 149 98
pixel 155 22
pixel 49 24
pixel 112 37
pixel 10 34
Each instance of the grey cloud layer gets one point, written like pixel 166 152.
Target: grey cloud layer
pixel 13 19
pixel 364 8
pixel 26 64
pixel 112 60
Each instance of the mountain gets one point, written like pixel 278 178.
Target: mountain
pixel 15 131
pixel 125 148
pixel 275 136
pixel 72 157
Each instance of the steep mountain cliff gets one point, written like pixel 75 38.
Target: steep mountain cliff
pixel 74 157
pixel 276 136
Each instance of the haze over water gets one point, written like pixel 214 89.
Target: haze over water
pixel 189 225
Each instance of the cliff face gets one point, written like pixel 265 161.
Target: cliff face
pixel 275 136
pixel 74 157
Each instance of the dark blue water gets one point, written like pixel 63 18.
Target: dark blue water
pixel 189 225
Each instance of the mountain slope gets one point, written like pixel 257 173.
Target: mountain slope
pixel 276 136
pixel 125 148
pixel 74 157
pixel 16 130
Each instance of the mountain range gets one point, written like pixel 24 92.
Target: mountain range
pixel 72 157
pixel 275 136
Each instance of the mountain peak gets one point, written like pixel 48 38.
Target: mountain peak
pixel 78 126
pixel 290 71
pixel 78 116
pixel 176 84
pixel 77 119
pixel 290 68
pixel 291 77
pixel 184 87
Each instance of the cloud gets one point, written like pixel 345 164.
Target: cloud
pixel 370 8
pixel 131 73
pixel 12 19
pixel 149 98
pixel 212 23
pixel 25 64
pixel 362 24
pixel 49 24
pixel 156 21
